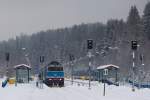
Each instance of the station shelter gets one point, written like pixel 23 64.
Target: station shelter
pixel 109 71
pixel 22 73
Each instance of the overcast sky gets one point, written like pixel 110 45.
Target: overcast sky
pixel 29 16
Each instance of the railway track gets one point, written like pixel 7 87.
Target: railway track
pixel 83 83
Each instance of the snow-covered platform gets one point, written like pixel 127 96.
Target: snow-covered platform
pixel 72 92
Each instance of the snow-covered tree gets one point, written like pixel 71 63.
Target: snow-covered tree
pixel 134 24
pixel 146 19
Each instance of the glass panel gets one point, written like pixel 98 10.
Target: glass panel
pixel 55 68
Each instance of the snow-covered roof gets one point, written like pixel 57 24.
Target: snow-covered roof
pixel 107 66
pixel 22 65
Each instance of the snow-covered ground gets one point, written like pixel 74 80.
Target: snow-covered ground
pixel 72 92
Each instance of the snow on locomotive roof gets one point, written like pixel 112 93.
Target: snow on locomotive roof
pixel 54 63
pixel 107 66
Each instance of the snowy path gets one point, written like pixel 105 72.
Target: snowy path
pixel 69 92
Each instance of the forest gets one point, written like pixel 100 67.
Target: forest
pixel 112 45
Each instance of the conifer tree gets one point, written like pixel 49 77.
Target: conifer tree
pixel 146 19
pixel 134 25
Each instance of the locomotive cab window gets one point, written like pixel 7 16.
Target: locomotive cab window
pixel 55 68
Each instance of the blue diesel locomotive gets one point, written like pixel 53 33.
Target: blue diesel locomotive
pixel 53 74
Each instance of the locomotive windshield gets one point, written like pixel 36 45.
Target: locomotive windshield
pixel 55 68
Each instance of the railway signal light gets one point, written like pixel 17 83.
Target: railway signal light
pixel 7 56
pixel 41 59
pixel 134 45
pixel 141 57
pixel 71 57
pixel 89 44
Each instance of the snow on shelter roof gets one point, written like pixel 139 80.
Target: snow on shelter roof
pixel 107 66
pixel 22 65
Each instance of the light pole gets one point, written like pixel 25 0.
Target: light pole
pixel 133 67
pixel 134 45
pixel 71 57
pixel 141 69
pixel 26 56
pixel 89 47
pixel 90 64
pixel 42 71
pixel 7 61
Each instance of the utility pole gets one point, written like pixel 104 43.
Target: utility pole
pixel 141 69
pixel 90 64
pixel 89 47
pixel 71 57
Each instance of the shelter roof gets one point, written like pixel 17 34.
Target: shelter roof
pixel 22 66
pixel 107 66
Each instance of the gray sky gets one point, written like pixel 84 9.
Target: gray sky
pixel 29 16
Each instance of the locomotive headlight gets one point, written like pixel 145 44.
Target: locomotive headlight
pixel 60 79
